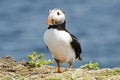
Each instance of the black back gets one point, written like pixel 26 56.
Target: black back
pixel 76 46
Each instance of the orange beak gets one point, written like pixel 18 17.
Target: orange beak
pixel 49 21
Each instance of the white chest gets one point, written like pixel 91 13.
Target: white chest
pixel 54 37
pixel 58 43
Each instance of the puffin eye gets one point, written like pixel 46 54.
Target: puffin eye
pixel 58 13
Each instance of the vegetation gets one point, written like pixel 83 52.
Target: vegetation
pixel 91 65
pixel 36 60
pixel 52 79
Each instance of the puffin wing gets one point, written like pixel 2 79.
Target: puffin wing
pixel 76 46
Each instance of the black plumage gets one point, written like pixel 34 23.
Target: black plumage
pixel 76 46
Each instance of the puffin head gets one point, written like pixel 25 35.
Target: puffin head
pixel 56 17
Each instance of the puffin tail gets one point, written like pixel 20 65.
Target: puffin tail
pixel 80 58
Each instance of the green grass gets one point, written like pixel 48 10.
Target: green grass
pixel 35 60
pixel 52 79
pixel 91 65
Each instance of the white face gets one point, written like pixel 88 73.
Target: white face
pixel 56 16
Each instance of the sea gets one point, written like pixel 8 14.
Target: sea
pixel 96 24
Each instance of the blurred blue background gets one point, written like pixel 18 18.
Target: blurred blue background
pixel 95 23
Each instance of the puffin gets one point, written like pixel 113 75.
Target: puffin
pixel 63 45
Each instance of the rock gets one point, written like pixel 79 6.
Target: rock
pixel 10 69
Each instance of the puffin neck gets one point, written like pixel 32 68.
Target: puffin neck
pixel 58 27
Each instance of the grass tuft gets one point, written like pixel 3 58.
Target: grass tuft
pixel 91 65
pixel 35 60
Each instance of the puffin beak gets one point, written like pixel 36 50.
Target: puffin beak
pixel 49 21
pixel 54 21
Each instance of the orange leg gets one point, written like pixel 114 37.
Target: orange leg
pixel 58 64
pixel 70 67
